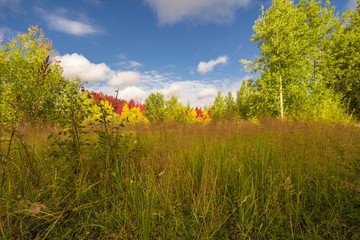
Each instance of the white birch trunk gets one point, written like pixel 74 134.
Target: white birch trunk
pixel 281 101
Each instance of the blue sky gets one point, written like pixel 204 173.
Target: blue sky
pixel 189 48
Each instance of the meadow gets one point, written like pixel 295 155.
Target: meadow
pixel 222 180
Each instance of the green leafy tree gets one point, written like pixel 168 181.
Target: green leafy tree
pixel 155 107
pixel 281 33
pixel 342 60
pixel 31 82
pixel 249 101
pixel 230 106
pixel 174 110
pixel 218 107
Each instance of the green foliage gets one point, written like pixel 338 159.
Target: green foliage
pixel 71 116
pixel 155 107
pixel 294 63
pixel 342 60
pixel 280 33
pixel 249 101
pixel 230 106
pixel 31 82
pixel 218 107
pixel 175 111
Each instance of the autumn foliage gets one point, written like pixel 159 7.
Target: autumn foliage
pixel 134 112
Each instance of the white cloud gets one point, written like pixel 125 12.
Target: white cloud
pixel 174 11
pixel 135 93
pixel 134 64
pixel 152 77
pixel 76 65
pixel 130 64
pixel 58 21
pixel 186 91
pixel 351 4
pixel 206 93
pixel 173 90
pixel 205 67
pixel 123 79
pixel 72 27
pixel 137 85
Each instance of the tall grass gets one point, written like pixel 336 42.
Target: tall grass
pixel 273 180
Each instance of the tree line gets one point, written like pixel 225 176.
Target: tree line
pixel 309 62
pixel 308 67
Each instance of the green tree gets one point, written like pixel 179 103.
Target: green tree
pixel 31 82
pixel 155 107
pixel 249 101
pixel 230 106
pixel 218 107
pixel 342 60
pixel 281 33
pixel 174 110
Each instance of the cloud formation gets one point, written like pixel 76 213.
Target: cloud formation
pixel 205 67
pixel 76 65
pixel 58 21
pixel 173 11
pixel 71 27
pixel 206 93
pixel 130 64
pixel 173 90
pixel 134 93
pixel 124 79
pixel 137 85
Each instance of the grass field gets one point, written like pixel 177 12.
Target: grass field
pixel 225 180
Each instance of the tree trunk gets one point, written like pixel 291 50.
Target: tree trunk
pixel 281 101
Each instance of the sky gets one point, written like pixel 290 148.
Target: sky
pixel 187 48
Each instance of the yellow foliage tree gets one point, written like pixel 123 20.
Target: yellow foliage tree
pixel 133 115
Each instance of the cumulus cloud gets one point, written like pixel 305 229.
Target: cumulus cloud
pixel 205 67
pixel 123 79
pixel 206 93
pixel 76 65
pixel 173 90
pixel 351 4
pixel 173 11
pixel 134 93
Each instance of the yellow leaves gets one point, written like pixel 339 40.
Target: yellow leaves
pixel 133 115
pixel 97 110
pixel 193 113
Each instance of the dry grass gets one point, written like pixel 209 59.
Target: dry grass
pixel 225 180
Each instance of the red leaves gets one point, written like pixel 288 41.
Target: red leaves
pixel 117 104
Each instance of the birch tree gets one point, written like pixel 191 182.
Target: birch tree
pixel 283 64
